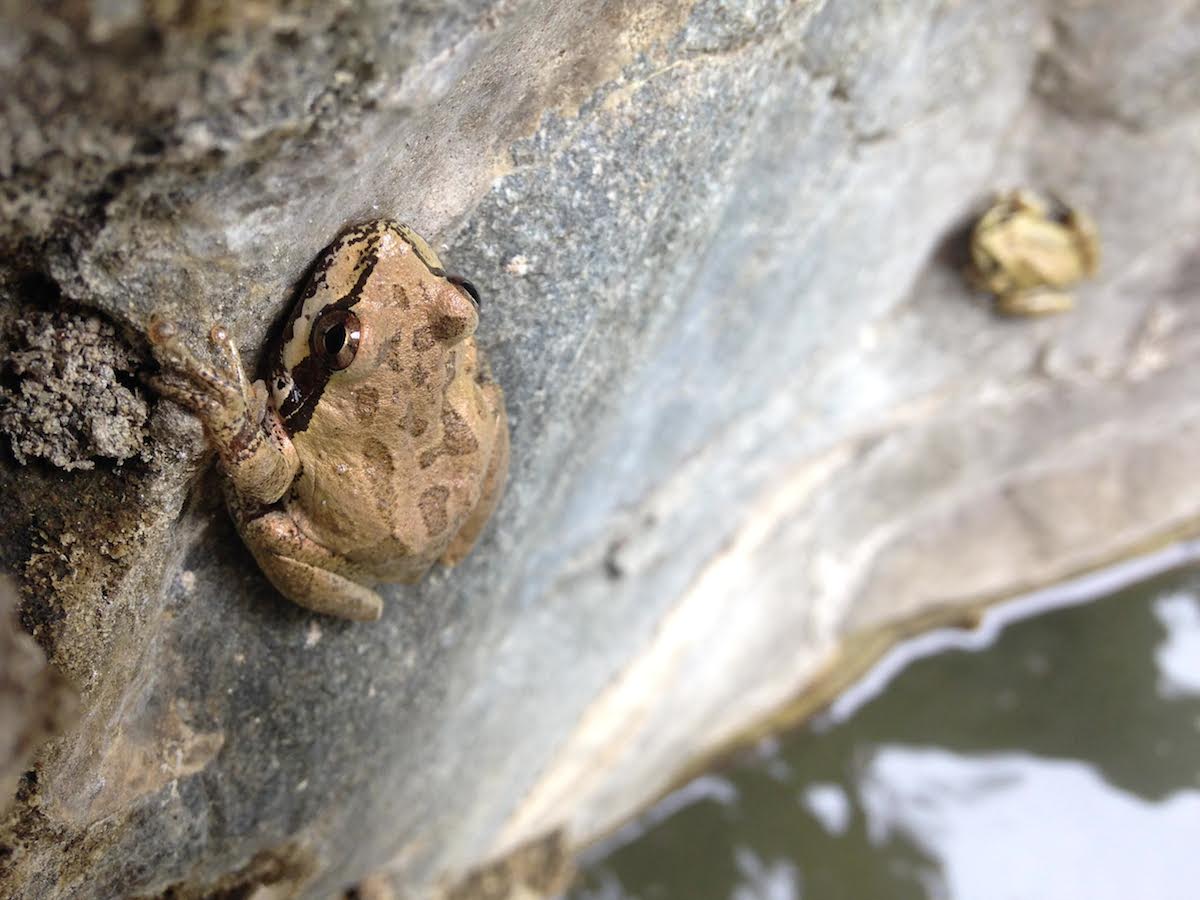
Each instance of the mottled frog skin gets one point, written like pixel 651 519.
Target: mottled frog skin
pixel 377 445
pixel 1025 251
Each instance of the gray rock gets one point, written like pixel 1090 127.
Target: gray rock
pixel 759 421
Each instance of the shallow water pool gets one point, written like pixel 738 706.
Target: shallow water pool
pixel 1056 756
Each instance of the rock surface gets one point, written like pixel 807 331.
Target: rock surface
pixel 35 702
pixel 755 410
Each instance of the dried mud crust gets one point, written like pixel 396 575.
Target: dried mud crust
pixel 69 394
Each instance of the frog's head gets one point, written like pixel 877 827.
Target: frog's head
pixel 379 308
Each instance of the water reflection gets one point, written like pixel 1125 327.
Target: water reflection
pixel 1057 757
pixel 1014 826
pixel 1178 656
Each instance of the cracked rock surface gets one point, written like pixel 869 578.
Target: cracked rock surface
pixel 756 411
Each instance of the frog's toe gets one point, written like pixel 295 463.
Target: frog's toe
pixel 161 330
pixel 183 391
pixel 231 360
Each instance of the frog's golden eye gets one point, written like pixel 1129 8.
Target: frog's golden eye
pixel 334 338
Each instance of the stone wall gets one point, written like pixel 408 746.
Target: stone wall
pixel 755 409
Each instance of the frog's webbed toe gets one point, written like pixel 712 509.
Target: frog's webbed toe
pixel 219 396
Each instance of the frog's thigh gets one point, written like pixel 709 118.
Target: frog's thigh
pixel 493 487
pixel 305 572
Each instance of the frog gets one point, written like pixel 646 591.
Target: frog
pixel 1025 251
pixel 375 444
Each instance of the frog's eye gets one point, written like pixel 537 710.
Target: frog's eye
pixel 468 288
pixel 334 338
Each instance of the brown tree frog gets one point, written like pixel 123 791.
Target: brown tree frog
pixel 1025 253
pixel 377 445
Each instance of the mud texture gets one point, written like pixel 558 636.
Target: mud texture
pixel 74 398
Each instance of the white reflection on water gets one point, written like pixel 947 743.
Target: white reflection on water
pixel 1014 827
pixel 829 805
pixel 1178 657
pixel 765 880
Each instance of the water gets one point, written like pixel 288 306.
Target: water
pixel 1051 757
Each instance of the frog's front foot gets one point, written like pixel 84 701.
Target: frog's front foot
pixel 254 451
pixel 217 396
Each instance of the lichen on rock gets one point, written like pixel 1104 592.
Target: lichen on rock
pixel 69 397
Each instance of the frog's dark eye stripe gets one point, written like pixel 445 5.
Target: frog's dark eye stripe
pixel 334 338
pixel 470 289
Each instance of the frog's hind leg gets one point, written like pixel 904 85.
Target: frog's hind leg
pixel 1037 302
pixel 307 573
pixel 322 591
